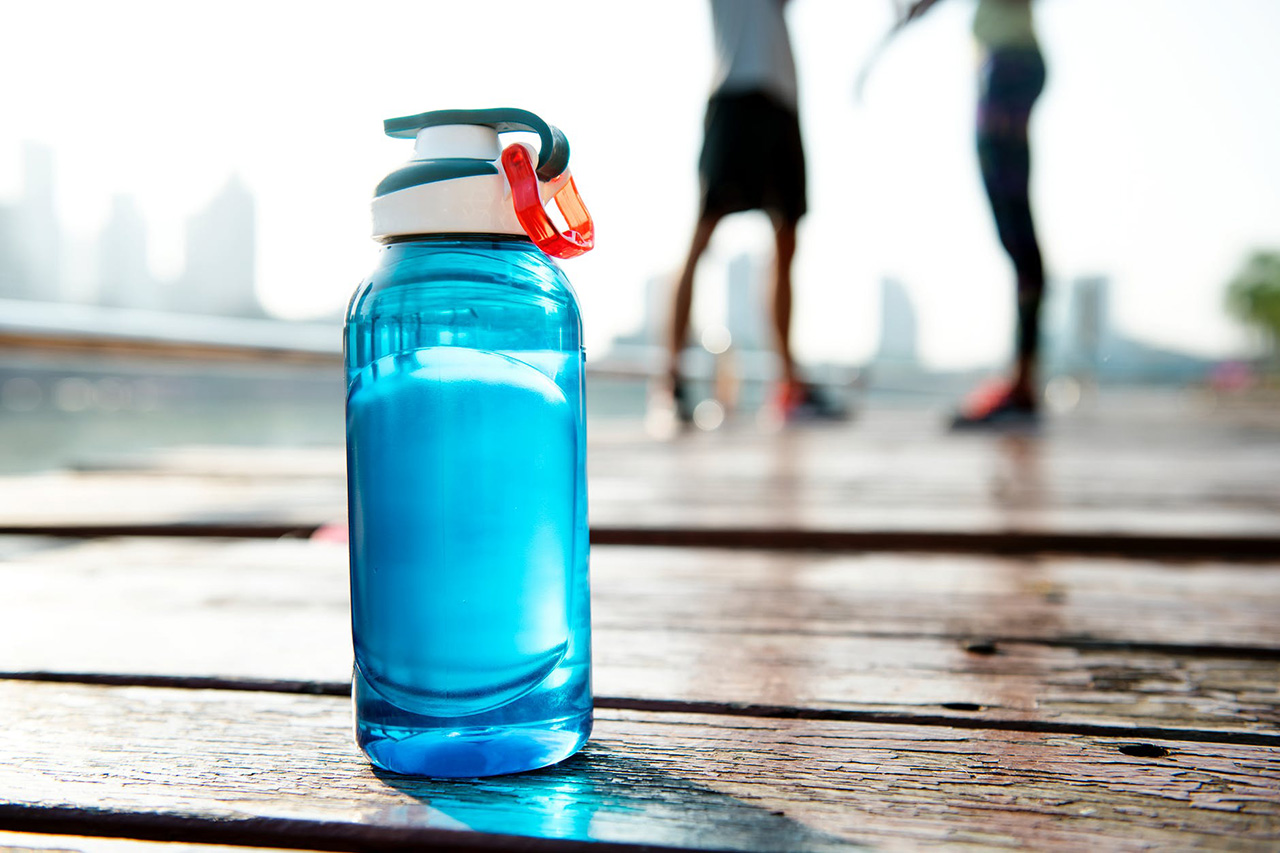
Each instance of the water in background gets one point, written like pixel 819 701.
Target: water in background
pixel 59 411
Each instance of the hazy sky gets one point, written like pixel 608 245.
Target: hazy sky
pixel 1154 145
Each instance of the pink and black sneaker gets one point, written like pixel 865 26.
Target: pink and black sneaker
pixel 996 406
pixel 800 401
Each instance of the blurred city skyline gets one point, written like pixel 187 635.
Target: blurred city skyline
pixel 1154 150
pixel 1081 342
pixel 40 259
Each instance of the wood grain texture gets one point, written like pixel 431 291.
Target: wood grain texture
pixel 27 842
pixel 212 763
pixel 853 635
pixel 871 483
pixel 67 498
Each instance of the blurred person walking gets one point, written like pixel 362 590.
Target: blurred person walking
pixel 752 159
pixel 1010 78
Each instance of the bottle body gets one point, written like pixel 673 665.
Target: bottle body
pixel 466 453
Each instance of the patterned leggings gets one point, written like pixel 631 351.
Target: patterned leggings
pixel 1010 82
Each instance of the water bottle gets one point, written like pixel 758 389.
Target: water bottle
pixel 466 456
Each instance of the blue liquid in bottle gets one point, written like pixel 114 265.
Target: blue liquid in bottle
pixel 466 482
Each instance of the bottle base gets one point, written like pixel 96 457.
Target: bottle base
pixel 473 751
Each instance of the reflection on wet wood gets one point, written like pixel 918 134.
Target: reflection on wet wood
pixel 257 768
pixel 753 695
pixel 954 639
pixel 67 499
pixel 1089 602
pixel 870 486
pixel 1197 606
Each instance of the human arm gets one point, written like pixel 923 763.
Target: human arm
pixel 916 9
pixel 903 16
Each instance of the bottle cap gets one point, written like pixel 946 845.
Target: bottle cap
pixel 461 180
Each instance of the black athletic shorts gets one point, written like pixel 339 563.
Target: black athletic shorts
pixel 752 157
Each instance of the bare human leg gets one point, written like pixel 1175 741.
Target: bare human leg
pixel 784 232
pixel 795 400
pixel 682 300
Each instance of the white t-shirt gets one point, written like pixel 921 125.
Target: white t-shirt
pixel 753 50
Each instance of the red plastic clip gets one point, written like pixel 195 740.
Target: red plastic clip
pixel 580 237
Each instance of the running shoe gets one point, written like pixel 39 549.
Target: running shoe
pixel 800 401
pixel 670 409
pixel 994 406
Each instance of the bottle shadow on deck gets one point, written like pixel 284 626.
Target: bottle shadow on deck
pixel 600 796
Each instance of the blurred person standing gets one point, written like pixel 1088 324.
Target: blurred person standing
pixel 752 159
pixel 1010 78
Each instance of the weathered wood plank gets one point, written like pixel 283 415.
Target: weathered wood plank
pixel 12 546
pixel 875 487
pixel 854 635
pixel 213 763
pixel 1056 599
pixel 887 460
pixel 23 842
pixel 73 499
pixel 829 480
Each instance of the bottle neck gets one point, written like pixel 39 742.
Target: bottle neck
pixel 456 237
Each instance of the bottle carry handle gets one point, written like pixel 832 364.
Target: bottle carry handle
pixel 553 145
pixel 522 175
pixel 517 163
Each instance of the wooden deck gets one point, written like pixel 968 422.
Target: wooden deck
pixel 825 639
pixel 1198 486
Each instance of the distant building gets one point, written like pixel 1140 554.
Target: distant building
pixel 743 313
pixel 124 275
pixel 899 329
pixel 1083 341
pixel 745 304
pixel 657 304
pixel 1088 330
pixel 13 277
pixel 39 237
pixel 651 328
pixel 220 272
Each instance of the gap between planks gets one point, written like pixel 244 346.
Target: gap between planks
pixel 700 781
pixel 288 833
pixel 680 706
pixel 1001 543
